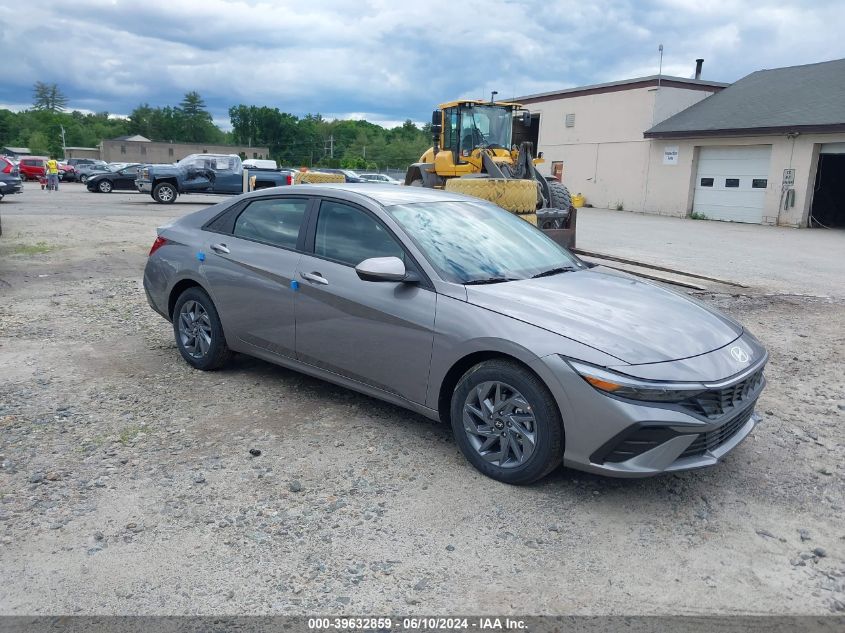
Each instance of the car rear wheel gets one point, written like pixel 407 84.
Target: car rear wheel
pixel 198 331
pixel 506 422
pixel 164 192
pixel 104 186
pixel 83 178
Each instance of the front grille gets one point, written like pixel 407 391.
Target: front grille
pixel 714 403
pixel 715 438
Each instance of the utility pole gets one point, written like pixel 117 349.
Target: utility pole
pixel 365 152
pixel 64 151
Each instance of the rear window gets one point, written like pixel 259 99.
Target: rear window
pixel 275 221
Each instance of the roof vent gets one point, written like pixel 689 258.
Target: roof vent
pixel 698 64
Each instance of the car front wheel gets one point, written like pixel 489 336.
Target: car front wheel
pixel 506 422
pixel 104 186
pixel 164 192
pixel 198 331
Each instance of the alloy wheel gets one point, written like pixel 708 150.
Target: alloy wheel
pixel 194 329
pixel 500 424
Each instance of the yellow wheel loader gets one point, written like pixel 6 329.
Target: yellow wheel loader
pixel 473 154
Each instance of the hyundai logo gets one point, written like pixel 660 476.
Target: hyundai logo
pixel 739 354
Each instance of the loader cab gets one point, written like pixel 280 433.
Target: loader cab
pixel 469 126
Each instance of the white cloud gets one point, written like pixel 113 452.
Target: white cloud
pixel 388 59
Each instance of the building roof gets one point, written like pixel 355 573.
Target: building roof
pixel 809 98
pixel 17 150
pixel 625 84
pixel 91 149
pixel 134 137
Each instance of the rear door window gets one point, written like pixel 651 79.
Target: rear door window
pixel 275 221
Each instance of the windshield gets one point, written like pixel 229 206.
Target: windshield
pixel 472 242
pixel 482 126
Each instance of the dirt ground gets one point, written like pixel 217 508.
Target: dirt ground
pixel 127 486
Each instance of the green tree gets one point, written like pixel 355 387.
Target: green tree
pixel 196 123
pixel 48 97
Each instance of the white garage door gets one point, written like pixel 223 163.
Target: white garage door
pixel 731 182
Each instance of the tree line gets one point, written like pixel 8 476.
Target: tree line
pixel 292 140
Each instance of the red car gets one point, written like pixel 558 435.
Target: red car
pixel 32 167
pixel 67 173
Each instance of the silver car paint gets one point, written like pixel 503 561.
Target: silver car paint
pixel 398 342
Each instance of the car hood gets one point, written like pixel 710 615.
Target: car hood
pixel 632 320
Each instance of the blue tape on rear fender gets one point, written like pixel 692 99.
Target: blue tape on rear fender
pixel 294 284
pixel 200 256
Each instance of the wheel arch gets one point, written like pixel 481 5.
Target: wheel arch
pixel 461 366
pixel 178 288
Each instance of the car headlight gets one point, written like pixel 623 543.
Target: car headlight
pixel 623 386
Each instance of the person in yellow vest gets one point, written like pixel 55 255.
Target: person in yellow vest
pixel 52 169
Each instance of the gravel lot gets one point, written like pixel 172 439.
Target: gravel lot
pixel 128 487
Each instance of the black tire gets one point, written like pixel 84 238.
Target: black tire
pixel 548 427
pixel 559 194
pixel 104 186
pixel 218 353
pixel 417 182
pixel 164 193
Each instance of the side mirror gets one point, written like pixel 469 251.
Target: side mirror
pixel 436 118
pixel 526 118
pixel 383 269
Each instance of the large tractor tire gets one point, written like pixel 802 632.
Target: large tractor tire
pixel 516 196
pixel 313 177
pixel 560 196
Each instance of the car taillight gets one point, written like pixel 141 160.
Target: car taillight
pixel 8 168
pixel 289 179
pixel 160 241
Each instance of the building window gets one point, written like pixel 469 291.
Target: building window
pixel 123 149
pixel 759 183
pixel 255 154
pixel 570 120
pixel 170 151
pixel 205 151
pixel 731 182
pixel 706 182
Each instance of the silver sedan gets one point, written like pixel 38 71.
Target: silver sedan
pixel 463 312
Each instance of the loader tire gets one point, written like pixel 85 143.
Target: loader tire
pixel 312 177
pixel 516 196
pixel 560 196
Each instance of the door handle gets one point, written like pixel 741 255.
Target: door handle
pixel 317 278
pixel 220 248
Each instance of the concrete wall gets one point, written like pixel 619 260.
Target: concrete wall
pixel 605 156
pixel 115 151
pixel 669 188
pixel 82 152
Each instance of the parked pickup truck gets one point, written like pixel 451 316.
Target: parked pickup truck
pixel 205 173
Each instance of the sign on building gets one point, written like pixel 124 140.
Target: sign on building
pixel 670 155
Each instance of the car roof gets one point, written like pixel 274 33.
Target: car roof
pixel 385 195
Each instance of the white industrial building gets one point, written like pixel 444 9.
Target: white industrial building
pixel 769 148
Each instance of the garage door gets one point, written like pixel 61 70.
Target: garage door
pixel 731 182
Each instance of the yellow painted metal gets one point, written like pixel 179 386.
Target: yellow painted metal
pixel 311 177
pixel 578 200
pixel 517 196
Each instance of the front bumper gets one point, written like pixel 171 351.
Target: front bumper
pixel 601 431
pixel 8 188
pixel 144 186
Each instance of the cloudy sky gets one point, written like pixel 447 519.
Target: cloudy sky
pixel 384 60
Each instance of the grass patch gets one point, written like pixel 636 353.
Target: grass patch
pixel 128 434
pixel 39 248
